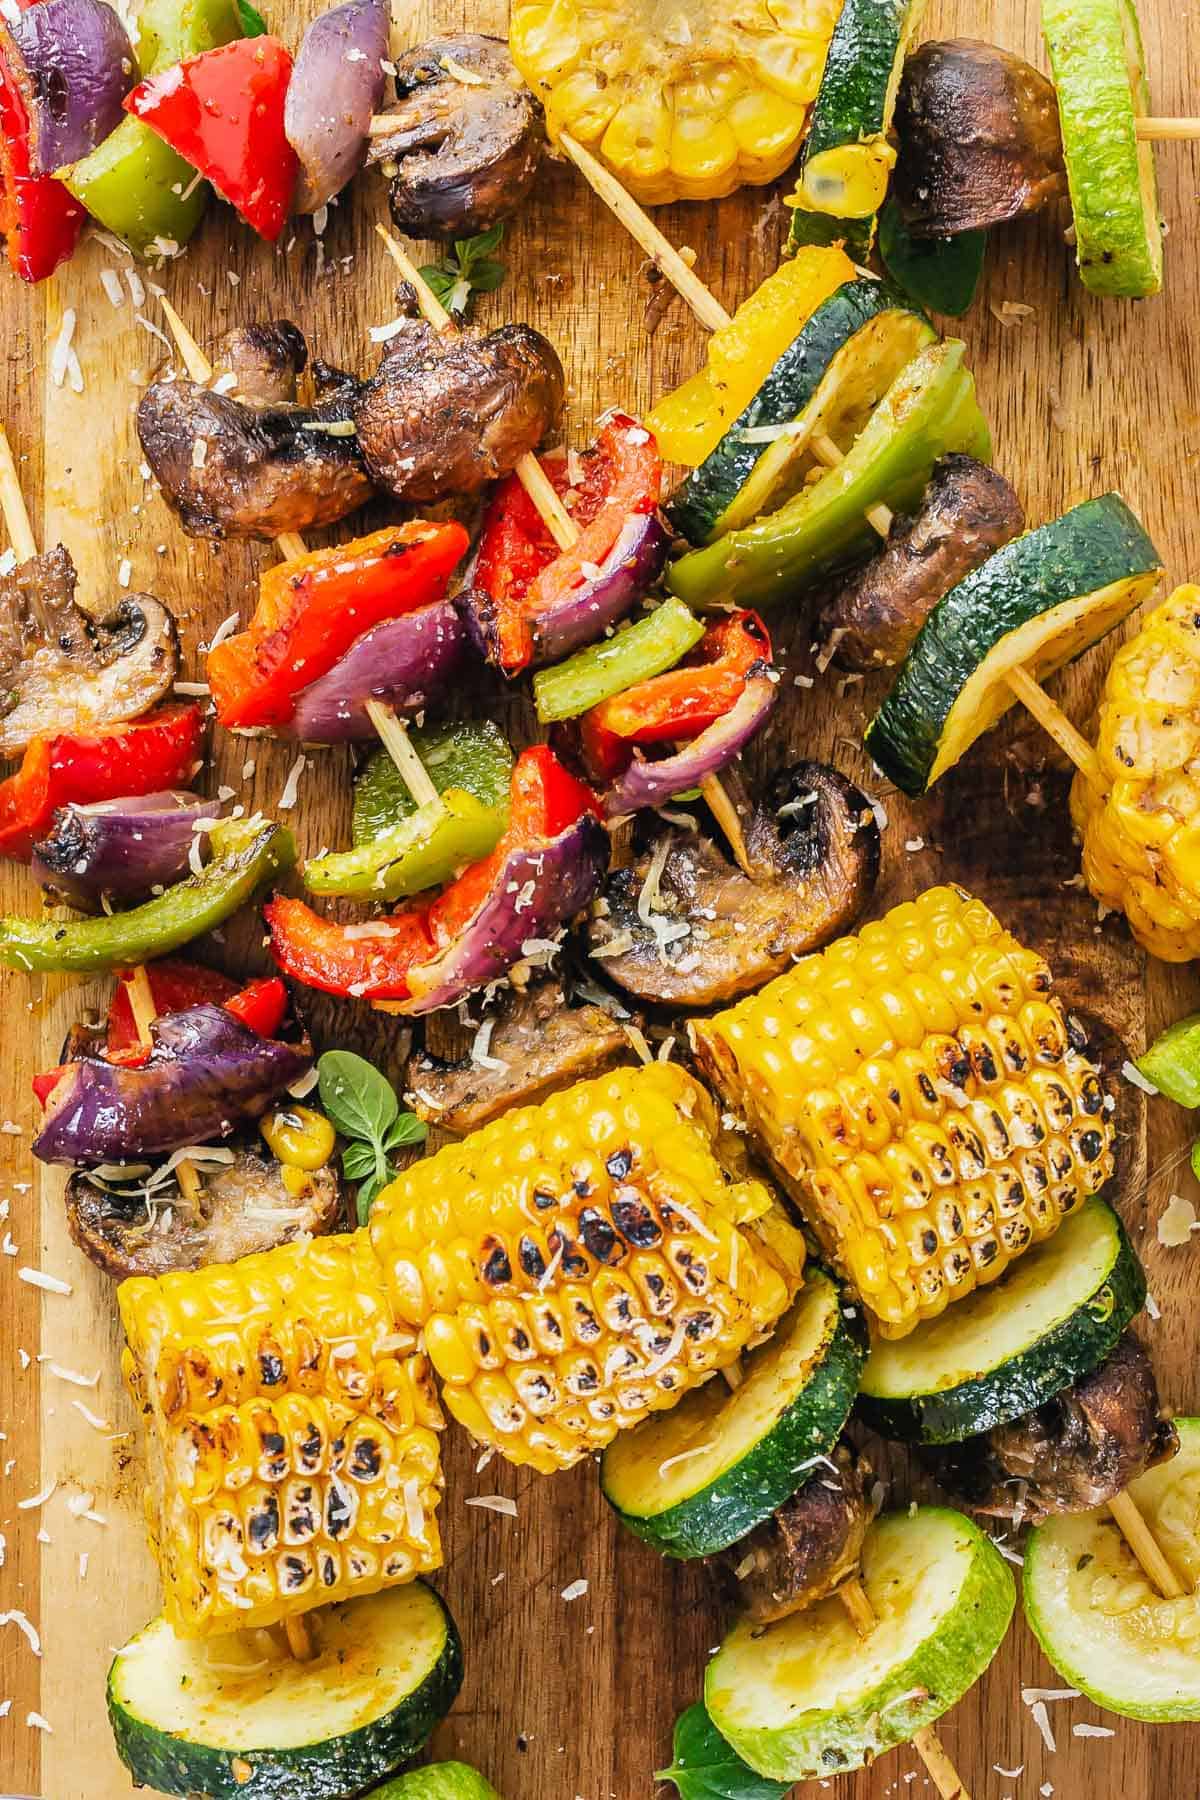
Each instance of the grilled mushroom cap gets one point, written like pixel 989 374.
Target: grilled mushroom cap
pixel 446 414
pixel 63 670
pixel 814 847
pixel 810 1545
pixel 1071 1454
pixel 541 1044
pixel 967 513
pixel 464 152
pixel 252 463
pixel 979 138
pixel 247 1208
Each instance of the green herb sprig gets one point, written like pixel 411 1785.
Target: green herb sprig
pixel 469 268
pixel 362 1104
pixel 707 1768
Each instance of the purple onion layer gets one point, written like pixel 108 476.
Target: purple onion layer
pixel 406 662
pixel 74 65
pixel 337 85
pixel 207 1075
pixel 126 848
pixel 535 892
pixel 647 783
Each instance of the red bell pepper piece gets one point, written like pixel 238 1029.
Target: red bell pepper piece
pixel 142 757
pixel 521 567
pixel 680 704
pixel 312 609
pixel 223 112
pixel 41 221
pixel 336 958
pixel 173 986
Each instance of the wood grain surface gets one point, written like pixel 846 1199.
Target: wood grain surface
pixel 575 1701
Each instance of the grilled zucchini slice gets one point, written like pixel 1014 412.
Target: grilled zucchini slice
pixel 438 1781
pixel 1038 603
pixel 929 409
pixel 1101 1624
pixel 220 1718
pixel 1052 1318
pixel 1099 70
pixel 694 1480
pixel 808 1698
pixel 848 155
pixel 829 380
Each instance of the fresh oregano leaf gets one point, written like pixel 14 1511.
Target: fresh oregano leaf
pixel 252 21
pixel 707 1768
pixel 359 1160
pixel 468 269
pixel 361 1102
pixel 405 1130
pixel 368 1190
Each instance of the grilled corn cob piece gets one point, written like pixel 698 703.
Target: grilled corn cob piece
pixel 293 1434
pixel 684 102
pixel 579 1264
pixel 1141 837
pixel 918 1090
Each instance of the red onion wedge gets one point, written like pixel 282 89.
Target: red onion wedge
pixel 126 848
pixel 207 1074
pixel 534 894
pixel 74 64
pixel 406 662
pixel 647 783
pixel 337 85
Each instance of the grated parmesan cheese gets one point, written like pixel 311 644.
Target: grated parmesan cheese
pixel 50 1284
pixel 497 1503
pixel 291 786
pixel 575 1590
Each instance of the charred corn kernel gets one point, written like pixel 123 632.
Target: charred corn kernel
pixel 689 422
pixel 294 1428
pixel 581 1263
pixel 1141 843
pixel 621 77
pixel 298 1137
pixel 918 1089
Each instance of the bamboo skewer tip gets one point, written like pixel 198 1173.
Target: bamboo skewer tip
pixel 1163 130
pixel 396 741
pixel 12 504
pixel 1145 1546
pixel 926 1742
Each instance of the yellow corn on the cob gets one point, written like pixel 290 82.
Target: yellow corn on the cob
pixel 918 1089
pixel 1141 835
pixel 682 102
pixel 294 1434
pixel 579 1264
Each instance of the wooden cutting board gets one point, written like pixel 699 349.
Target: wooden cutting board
pixel 575 1700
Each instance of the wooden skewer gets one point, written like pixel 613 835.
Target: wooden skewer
pixel 926 1742
pixel 1145 1546
pixel 12 504
pixel 141 1002
pixel 396 742
pixel 299 1637
pixel 1167 128
pixel 289 543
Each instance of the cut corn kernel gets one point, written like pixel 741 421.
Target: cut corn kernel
pixel 690 422
pixel 298 1137
pixel 1141 837
pixel 918 1090
pixel 294 1434
pixel 622 78
pixel 579 1264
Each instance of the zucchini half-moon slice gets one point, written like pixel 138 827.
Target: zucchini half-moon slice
pixel 227 1716
pixel 1101 1624
pixel 807 1698
pixel 694 1480
pixel 1038 603
pixel 1099 70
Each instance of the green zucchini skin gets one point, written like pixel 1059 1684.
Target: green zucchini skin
pixel 741 1497
pixel 1093 545
pixel 698 505
pixel 857 95
pixel 329 1770
pixel 1023 1382
pixel 438 1781
pixel 856 236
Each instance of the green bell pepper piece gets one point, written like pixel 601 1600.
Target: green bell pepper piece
pixel 438 1781
pixel 474 757
pixel 638 651
pixel 246 855
pixel 941 274
pixel 133 183
pixel 929 409
pixel 1172 1062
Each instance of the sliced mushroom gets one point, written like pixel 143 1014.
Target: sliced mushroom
pixel 682 926
pixel 808 1546
pixel 979 138
pixel 252 463
pixel 468 137
pixel 1071 1454
pixel 63 670
pixel 968 512
pixel 538 1043
pixel 447 414
pixel 128 1228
